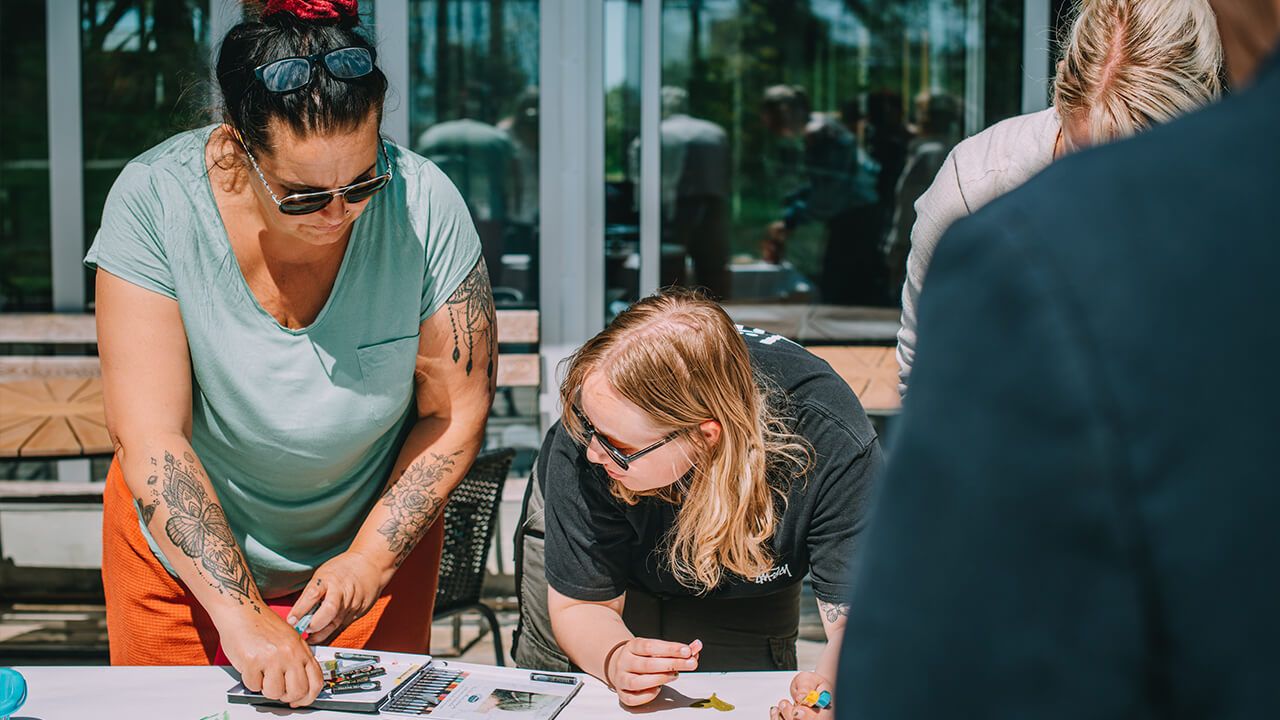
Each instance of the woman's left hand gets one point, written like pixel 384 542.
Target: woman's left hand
pixel 345 587
pixel 801 685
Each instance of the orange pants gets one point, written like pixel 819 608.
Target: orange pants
pixel 153 619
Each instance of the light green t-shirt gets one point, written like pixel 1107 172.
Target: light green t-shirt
pixel 297 429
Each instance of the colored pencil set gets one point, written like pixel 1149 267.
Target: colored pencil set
pixel 425 692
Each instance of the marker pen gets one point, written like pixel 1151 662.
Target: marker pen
pixel 548 677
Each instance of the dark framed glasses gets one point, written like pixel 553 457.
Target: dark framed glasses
pixel 622 459
pixel 307 203
pixel 293 73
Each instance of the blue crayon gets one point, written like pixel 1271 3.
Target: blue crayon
pixel 305 621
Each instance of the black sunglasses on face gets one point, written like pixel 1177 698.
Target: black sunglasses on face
pixel 307 203
pixel 622 459
pixel 293 73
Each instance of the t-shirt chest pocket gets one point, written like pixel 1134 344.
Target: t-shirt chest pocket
pixel 387 373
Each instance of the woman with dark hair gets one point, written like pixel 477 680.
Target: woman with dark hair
pixel 298 355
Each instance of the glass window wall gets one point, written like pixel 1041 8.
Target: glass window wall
pixel 26 278
pixel 796 137
pixel 474 112
pixel 144 77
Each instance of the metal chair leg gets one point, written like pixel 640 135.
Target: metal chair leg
pixel 492 619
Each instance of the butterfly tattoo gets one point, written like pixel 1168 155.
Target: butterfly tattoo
pixel 198 527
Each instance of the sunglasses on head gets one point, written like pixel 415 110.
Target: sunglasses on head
pixel 622 459
pixel 294 73
pixel 307 203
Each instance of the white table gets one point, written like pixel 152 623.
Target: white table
pixel 190 693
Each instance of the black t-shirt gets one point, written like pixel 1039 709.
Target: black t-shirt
pixel 598 546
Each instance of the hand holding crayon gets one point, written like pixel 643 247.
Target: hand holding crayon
pixel 811 699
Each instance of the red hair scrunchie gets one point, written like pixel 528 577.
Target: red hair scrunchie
pixel 313 9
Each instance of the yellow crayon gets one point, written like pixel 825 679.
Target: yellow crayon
pixel 816 699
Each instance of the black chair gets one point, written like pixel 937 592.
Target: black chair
pixel 469 521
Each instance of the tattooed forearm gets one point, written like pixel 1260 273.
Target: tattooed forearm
pixel 198 527
pixel 472 317
pixel 415 502
pixel 833 611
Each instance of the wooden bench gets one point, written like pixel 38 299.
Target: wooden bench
pixel 808 324
pixel 51 405
pixel 515 327
pixel 872 373
pixel 53 418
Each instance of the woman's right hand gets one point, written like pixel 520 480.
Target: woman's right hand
pixel 640 668
pixel 272 658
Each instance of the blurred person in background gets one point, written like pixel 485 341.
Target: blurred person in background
pixel 481 161
pixel 937 132
pixel 887 140
pixel 695 194
pixel 838 190
pixel 521 127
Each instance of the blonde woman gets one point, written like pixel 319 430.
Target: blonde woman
pixel 700 471
pixel 1127 65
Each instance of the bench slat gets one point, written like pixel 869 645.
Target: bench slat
pixel 511 366
pixel 13 368
pixel 518 326
pixel 50 490
pixel 514 326
pixel 518 370
pixel 53 328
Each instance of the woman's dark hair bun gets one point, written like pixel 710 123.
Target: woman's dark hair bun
pixel 341 11
pixel 296 28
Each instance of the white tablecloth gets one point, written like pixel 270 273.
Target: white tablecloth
pixel 191 693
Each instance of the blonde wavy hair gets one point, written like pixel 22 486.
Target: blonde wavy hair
pixel 678 357
pixel 1130 64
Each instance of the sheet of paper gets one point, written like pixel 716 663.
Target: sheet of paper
pixel 480 698
pixel 491 694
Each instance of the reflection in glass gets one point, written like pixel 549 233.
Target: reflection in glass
pixel 622 132
pixel 474 112
pixel 935 133
pixel 695 196
pixel 833 113
pixel 144 77
pixel 25 276
pixel 829 180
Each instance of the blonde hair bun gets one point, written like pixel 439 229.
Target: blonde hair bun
pixel 1130 64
